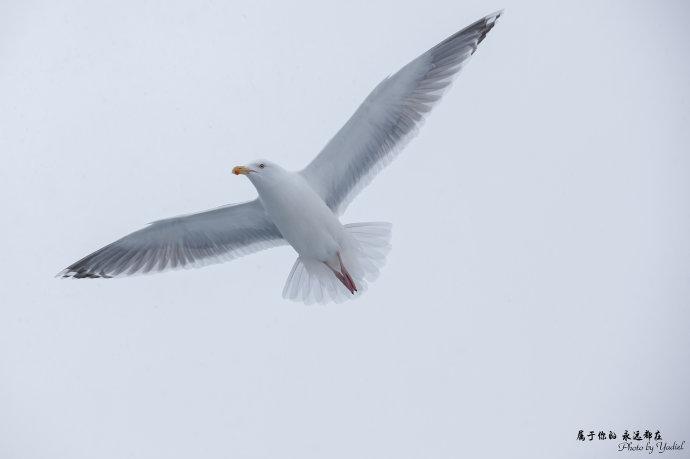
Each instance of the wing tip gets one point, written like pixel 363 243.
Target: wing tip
pixel 493 16
pixel 489 22
pixel 81 273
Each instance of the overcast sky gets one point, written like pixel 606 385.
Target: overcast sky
pixel 539 277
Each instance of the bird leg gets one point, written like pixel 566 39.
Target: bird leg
pixel 344 276
pixel 347 276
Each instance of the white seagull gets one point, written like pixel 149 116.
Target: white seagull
pixel 335 261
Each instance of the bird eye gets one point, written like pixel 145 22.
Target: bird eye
pixel 262 165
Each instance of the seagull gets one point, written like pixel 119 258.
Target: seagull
pixel 335 262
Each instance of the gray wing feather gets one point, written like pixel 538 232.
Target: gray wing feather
pixel 389 117
pixel 187 241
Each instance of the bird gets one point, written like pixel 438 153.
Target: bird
pixel 335 261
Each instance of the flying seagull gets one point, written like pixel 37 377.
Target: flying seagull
pixel 335 261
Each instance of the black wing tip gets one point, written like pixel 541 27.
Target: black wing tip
pixel 478 29
pixel 81 273
pixel 495 15
pixel 490 19
pixel 488 24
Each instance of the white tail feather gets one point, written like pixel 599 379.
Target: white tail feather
pixel 363 254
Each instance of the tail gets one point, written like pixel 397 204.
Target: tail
pixel 362 256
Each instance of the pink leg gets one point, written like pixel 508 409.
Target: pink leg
pixel 344 276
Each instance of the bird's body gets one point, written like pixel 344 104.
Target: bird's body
pixel 301 215
pixel 335 261
pixel 328 251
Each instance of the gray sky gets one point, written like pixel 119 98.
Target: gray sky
pixel 538 283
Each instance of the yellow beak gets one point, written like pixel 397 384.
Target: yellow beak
pixel 237 170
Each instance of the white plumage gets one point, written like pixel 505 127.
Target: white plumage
pixel 335 261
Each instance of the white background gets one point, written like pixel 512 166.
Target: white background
pixel 539 278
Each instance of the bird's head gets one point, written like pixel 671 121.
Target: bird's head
pixel 259 171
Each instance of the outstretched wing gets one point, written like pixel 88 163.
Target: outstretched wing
pixel 187 241
pixel 389 117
